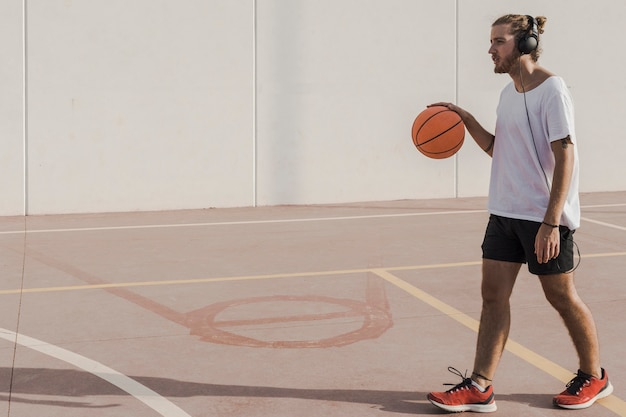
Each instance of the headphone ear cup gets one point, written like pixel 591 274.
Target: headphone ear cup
pixel 527 44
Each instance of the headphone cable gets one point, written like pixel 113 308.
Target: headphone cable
pixel 543 171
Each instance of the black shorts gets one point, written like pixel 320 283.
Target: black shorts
pixel 513 240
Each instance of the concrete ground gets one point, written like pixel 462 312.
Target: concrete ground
pixel 338 310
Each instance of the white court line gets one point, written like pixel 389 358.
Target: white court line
pixel 144 394
pixel 243 222
pixel 276 221
pixel 612 226
pixel 590 206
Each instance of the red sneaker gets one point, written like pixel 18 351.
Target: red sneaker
pixel 464 397
pixel 583 391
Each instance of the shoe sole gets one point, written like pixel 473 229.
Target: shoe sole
pixel 608 390
pixel 474 408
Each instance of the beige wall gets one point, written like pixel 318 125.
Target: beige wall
pixel 11 108
pixel 163 104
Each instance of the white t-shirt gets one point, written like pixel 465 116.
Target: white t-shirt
pixel 520 184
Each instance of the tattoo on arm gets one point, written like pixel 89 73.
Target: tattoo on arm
pixel 564 143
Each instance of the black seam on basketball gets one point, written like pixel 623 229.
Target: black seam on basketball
pixel 426 121
pixel 435 137
pixel 454 148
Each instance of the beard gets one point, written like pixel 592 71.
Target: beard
pixel 506 64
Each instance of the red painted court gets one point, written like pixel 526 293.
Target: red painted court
pixel 339 310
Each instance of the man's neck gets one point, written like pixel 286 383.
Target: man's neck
pixel 528 74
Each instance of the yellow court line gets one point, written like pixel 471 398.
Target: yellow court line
pixel 603 255
pixel 227 279
pixel 258 277
pixel 179 282
pixel 447 309
pixel 612 402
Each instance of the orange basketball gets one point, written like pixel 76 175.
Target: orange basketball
pixel 438 132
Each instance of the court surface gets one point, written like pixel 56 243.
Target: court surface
pixel 337 310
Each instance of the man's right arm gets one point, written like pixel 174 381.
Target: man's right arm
pixel 482 137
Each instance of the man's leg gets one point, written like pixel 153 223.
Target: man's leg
pixel 495 320
pixel 591 383
pixel 562 295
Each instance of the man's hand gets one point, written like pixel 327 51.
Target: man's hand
pixel 547 243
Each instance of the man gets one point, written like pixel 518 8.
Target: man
pixel 534 211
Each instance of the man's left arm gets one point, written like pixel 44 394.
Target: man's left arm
pixel 547 241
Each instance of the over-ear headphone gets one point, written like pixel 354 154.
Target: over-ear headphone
pixel 530 40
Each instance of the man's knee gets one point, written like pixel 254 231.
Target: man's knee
pixel 560 291
pixel 498 281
